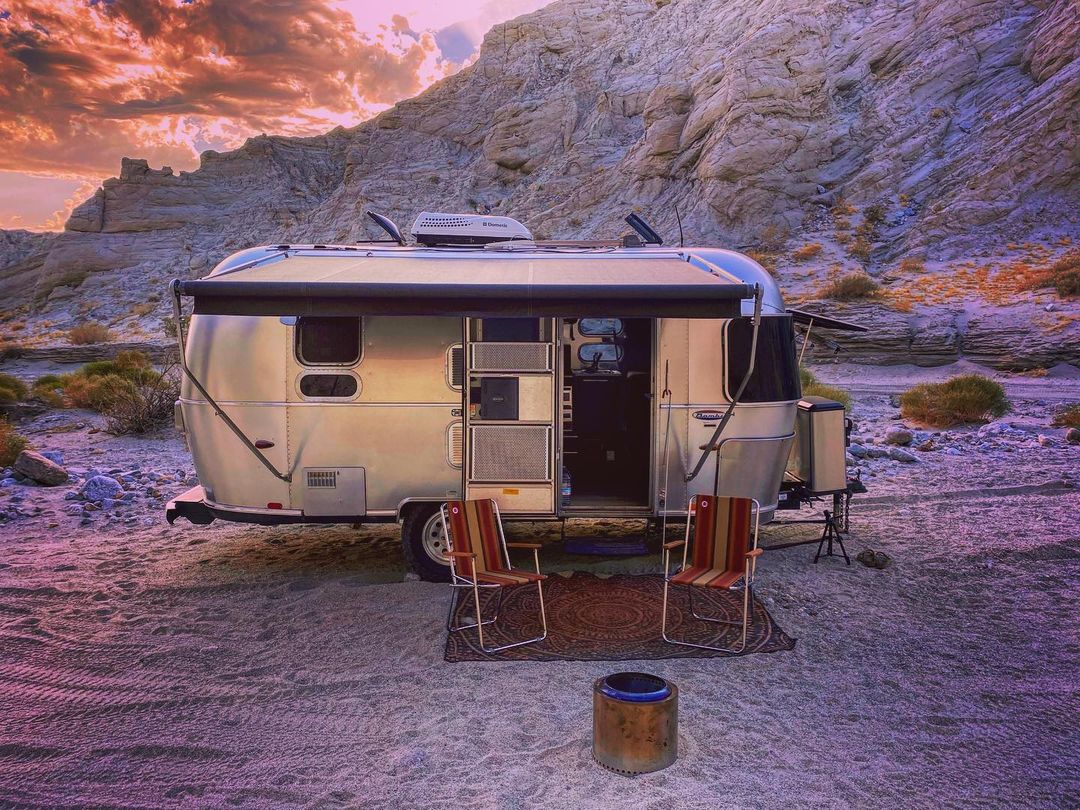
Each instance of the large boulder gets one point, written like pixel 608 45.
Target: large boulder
pixel 38 468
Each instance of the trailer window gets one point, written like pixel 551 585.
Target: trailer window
pixel 599 353
pixel 776 372
pixel 600 327
pixel 328 341
pixel 328 385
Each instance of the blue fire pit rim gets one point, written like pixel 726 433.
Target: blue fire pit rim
pixel 633 687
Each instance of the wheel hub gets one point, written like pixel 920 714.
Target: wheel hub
pixel 434 540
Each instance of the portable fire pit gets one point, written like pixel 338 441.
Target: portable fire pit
pixel 635 722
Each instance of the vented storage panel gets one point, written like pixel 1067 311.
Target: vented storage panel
pixel 510 453
pixel 455 366
pixel 511 356
pixel 334 492
pixel 454 439
pixel 322 479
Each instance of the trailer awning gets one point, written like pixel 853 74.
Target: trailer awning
pixel 476 286
pixel 805 318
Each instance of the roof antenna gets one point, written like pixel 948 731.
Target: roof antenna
pixel 389 226
pixel 679 220
pixel 647 234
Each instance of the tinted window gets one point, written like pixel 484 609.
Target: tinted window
pixel 776 373
pixel 328 385
pixel 602 352
pixel 328 340
pixel 597 327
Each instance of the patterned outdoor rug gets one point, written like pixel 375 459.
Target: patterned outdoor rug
pixel 615 618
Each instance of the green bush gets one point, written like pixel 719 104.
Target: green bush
pixel 49 389
pixel 12 389
pixel 11 444
pixel 812 387
pixel 967 398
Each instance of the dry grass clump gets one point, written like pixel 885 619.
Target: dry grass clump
pixel 1063 275
pixel 912 264
pixel 87 333
pixel 11 444
pixel 874 214
pixel 812 387
pixel 807 251
pixel 860 248
pixel 12 389
pixel 967 398
pixel 1068 417
pixel 139 310
pixel 850 287
pixel 765 259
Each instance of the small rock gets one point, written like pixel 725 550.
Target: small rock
pixel 1046 441
pixel 873 559
pixel 899 436
pixel 857 450
pixel 55 456
pixel 896 454
pixel 38 468
pixel 952 451
pixel 876 452
pixel 107 503
pixel 926 446
pixel 1050 307
pixel 101 487
pixel 1072 435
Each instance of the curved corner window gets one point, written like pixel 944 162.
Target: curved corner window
pixel 328 386
pixel 600 327
pixel 599 353
pixel 776 371
pixel 328 341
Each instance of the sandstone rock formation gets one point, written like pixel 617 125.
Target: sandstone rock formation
pixel 745 115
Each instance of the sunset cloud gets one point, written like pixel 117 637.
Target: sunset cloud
pixel 86 82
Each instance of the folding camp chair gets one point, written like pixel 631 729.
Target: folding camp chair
pixel 722 558
pixel 479 559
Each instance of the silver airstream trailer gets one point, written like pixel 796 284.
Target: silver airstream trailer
pixel 372 382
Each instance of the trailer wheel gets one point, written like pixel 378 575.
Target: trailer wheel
pixel 423 543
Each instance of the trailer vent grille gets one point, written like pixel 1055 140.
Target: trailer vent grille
pixel 510 453
pixel 322 479
pixel 511 356
pixel 455 366
pixel 455 435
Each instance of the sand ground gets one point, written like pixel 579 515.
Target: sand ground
pixel 151 666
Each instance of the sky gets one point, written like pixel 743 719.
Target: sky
pixel 84 83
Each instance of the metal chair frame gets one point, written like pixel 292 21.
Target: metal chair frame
pixel 746 584
pixel 458 581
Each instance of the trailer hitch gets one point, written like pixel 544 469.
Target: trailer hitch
pixel 714 441
pixel 250 445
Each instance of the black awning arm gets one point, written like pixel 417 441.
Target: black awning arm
pixel 250 445
pixel 714 441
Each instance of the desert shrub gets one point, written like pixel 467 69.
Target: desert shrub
pixel 87 333
pixel 11 444
pixel 765 259
pixel 860 248
pixel 807 251
pixel 139 406
pixel 912 264
pixel 49 389
pixel 1068 417
pixel 144 308
pixel 773 237
pixel 12 389
pixel 1063 275
pixel 874 214
pixel 967 398
pixel 850 287
pixel 813 387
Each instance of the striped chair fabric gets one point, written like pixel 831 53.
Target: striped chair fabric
pixel 721 541
pixel 474 528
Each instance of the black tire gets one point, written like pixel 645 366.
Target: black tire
pixel 418 542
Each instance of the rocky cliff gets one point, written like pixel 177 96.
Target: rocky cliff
pixel 957 121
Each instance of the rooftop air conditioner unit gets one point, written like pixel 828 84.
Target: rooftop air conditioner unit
pixel 434 229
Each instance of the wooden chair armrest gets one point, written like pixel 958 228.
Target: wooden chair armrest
pixel 757 552
pixel 674 544
pixel 465 555
pixel 524 545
